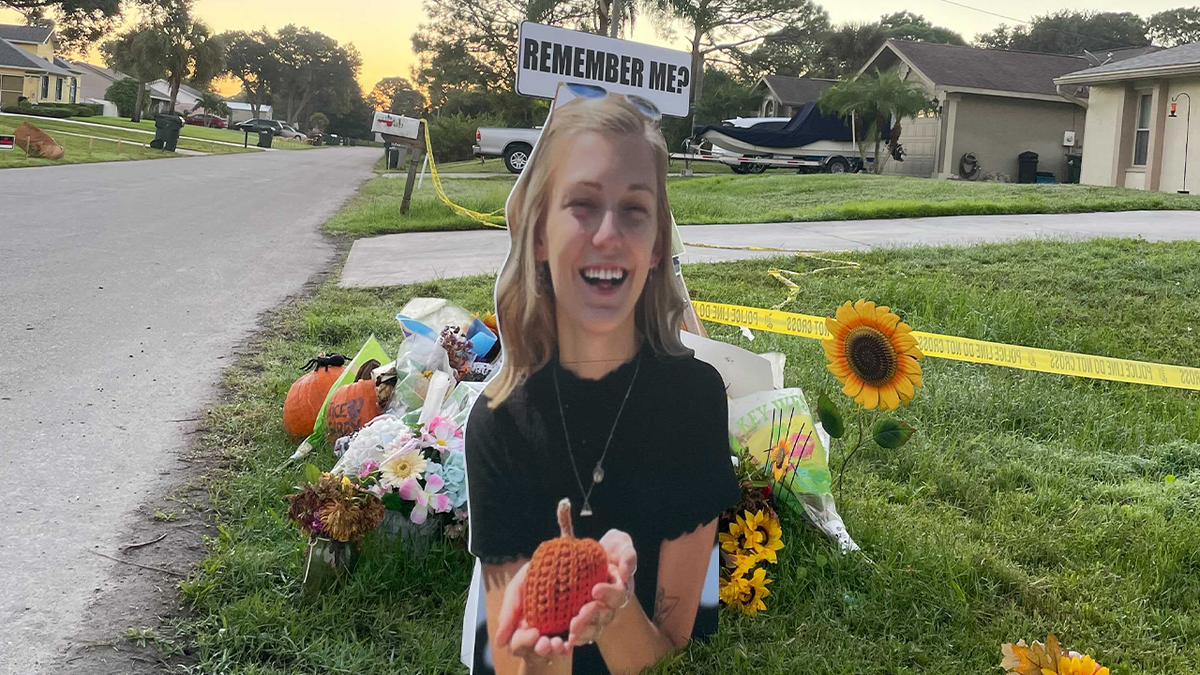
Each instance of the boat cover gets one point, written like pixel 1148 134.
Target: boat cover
pixel 808 125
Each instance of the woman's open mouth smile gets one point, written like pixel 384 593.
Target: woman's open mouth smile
pixel 604 278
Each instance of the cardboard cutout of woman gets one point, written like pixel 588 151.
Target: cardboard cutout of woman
pixel 599 402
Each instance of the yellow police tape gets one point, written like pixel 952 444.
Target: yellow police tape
pixel 965 349
pixel 490 219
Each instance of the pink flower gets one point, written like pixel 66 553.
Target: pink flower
pixel 428 497
pixel 442 433
pixel 367 468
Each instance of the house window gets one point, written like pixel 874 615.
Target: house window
pixel 74 88
pixel 1141 132
pixel 58 89
pixel 45 86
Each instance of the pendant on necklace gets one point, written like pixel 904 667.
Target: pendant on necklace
pixel 598 474
pixel 586 510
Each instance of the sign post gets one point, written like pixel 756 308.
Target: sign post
pixel 406 133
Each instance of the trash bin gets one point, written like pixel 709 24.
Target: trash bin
pixel 1074 168
pixel 393 157
pixel 166 132
pixel 1027 167
pixel 264 138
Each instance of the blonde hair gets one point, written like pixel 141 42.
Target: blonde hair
pixel 524 307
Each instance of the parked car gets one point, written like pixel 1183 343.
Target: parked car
pixel 288 131
pixel 206 120
pixel 257 124
pixel 514 145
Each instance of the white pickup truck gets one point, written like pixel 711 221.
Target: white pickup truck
pixel 514 145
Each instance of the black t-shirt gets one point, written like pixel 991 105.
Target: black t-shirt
pixel 667 470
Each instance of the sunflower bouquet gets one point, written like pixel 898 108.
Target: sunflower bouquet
pixel 748 540
pixel 875 357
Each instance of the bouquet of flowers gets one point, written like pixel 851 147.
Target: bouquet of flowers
pixel 335 507
pixel 750 535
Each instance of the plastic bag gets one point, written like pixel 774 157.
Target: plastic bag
pixel 435 313
pixel 370 350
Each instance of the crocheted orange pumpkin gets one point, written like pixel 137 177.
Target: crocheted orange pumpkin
pixel 561 575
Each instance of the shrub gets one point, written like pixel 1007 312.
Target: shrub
pixel 38 111
pixel 453 135
pixel 123 94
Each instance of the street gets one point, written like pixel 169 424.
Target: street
pixel 125 289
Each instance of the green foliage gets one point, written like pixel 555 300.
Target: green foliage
pixel 194 54
pixel 250 57
pixel 724 97
pixel 315 73
pixel 1175 27
pixel 43 110
pixel 830 416
pixel 846 49
pixel 1070 32
pixel 397 96
pixel 318 121
pixel 876 99
pixel 891 433
pixel 453 135
pixel 140 52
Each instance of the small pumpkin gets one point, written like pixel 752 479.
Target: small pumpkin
pixel 561 576
pixel 307 394
pixel 353 405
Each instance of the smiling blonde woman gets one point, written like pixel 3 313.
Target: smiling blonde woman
pixel 598 401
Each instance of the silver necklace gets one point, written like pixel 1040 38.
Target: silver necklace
pixel 598 471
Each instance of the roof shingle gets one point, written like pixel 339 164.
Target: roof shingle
pixel 15 57
pixel 24 33
pixel 1182 55
pixel 798 90
pixel 960 66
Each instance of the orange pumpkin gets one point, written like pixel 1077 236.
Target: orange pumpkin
pixel 351 407
pixel 307 394
pixel 561 576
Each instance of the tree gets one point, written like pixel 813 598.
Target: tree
pixel 396 95
pixel 723 30
pixel 796 51
pixel 124 93
pixel 724 97
pixel 871 101
pixel 212 104
pixel 318 122
pixel 195 54
pixel 1175 27
pixel 905 25
pixel 312 64
pixel 1070 32
pixel 251 59
pixel 847 48
pixel 78 23
pixel 354 121
pixel 140 52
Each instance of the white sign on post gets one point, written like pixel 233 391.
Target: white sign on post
pixel 548 55
pixel 7 141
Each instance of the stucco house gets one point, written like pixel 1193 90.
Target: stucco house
pixel 95 81
pixel 1139 113
pixel 782 96
pixel 30 68
pixel 994 104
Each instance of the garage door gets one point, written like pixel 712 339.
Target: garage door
pixel 11 88
pixel 919 137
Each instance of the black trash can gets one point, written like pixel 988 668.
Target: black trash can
pixel 166 132
pixel 393 157
pixel 1074 168
pixel 1027 167
pixel 264 138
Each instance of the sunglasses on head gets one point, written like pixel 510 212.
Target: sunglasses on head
pixel 593 91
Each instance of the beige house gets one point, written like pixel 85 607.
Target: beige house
pixel 1139 114
pixel 30 68
pixel 994 105
pixel 783 96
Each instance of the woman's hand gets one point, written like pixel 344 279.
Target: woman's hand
pixel 609 597
pixel 515 634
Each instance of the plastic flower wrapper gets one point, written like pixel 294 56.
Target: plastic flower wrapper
pixel 381 438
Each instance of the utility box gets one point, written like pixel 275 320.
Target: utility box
pixel 1068 139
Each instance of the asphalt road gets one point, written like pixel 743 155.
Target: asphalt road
pixel 124 290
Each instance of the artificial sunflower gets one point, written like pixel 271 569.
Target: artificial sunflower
pixel 754 589
pixel 772 540
pixel 1079 664
pixel 873 354
pixel 744 533
pixel 734 590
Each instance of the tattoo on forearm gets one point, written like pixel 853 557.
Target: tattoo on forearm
pixel 663 606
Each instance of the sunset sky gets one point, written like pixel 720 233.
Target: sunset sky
pixel 381 28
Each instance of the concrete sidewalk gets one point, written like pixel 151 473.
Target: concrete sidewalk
pixel 396 259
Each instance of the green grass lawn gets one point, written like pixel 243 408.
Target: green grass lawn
pixel 496 165
pixel 777 197
pixel 1027 503
pixel 52 126
pixel 194 131
pixel 78 150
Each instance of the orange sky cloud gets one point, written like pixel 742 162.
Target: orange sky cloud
pixel 381 29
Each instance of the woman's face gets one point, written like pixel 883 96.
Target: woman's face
pixel 601 230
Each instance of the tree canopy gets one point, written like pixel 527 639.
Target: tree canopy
pixel 1175 27
pixel 311 64
pixel 140 52
pixel 250 59
pixel 1070 32
pixel 397 95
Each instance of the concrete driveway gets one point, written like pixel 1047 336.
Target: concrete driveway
pixel 433 255
pixel 125 288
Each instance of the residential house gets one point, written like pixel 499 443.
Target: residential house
pixel 783 96
pixel 185 101
pixel 1139 120
pixel 96 80
pixel 240 111
pixel 31 69
pixel 994 104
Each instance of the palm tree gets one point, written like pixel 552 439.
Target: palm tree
pixel 141 53
pixel 871 100
pixel 212 104
pixel 195 54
